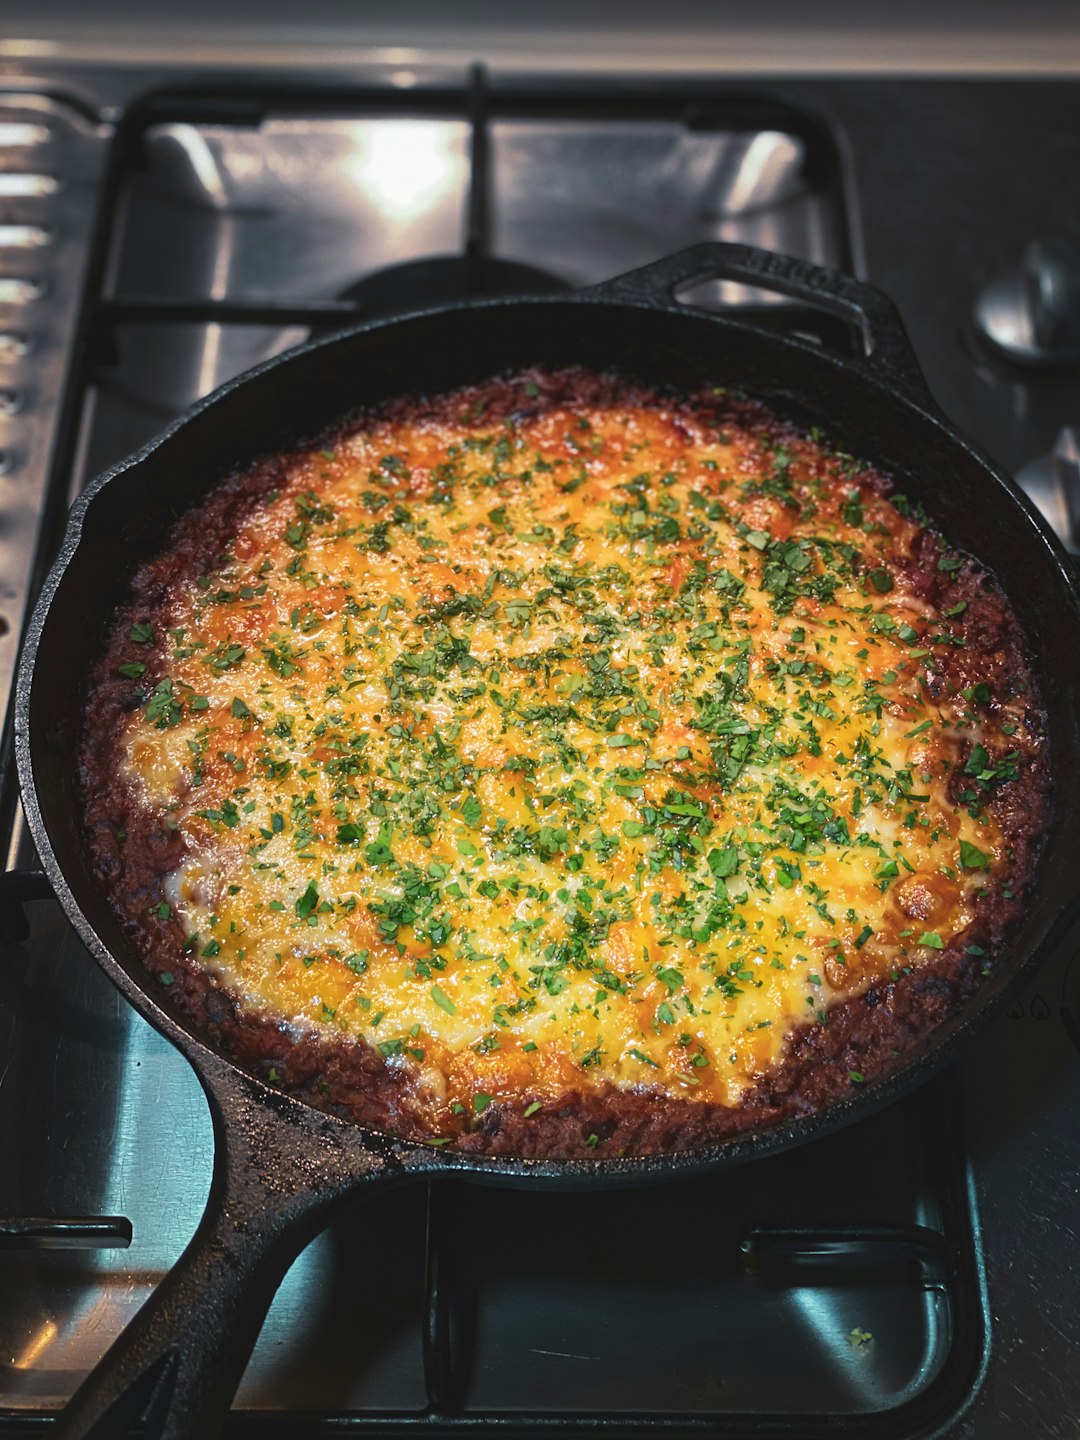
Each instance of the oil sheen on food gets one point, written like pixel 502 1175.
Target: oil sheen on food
pixel 594 744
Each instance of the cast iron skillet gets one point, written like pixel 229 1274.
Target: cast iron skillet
pixel 281 1168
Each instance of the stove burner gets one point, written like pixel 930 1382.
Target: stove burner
pixel 444 279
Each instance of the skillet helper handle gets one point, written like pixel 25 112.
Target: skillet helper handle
pixel 172 1373
pixel 890 355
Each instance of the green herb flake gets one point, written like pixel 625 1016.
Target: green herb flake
pixel 724 863
pixel 881 580
pixel 972 858
pixel 307 902
pixel 443 1000
pixel 977 761
pixel 645 1060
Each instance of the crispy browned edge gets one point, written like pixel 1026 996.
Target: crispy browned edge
pixel 865 1035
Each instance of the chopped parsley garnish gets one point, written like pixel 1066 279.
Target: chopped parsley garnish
pixel 627 743
pixel 307 902
pixel 972 858
pixel 443 1000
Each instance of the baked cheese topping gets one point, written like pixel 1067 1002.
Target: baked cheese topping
pixel 591 745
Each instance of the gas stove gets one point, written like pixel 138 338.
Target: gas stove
pixel 162 228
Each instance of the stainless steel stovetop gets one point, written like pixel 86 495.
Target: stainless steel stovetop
pixel 163 228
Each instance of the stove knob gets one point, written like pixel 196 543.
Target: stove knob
pixel 1053 482
pixel 1032 313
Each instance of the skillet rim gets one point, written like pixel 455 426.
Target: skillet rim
pixel 924 1059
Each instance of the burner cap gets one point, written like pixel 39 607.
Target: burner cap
pixel 443 279
pixel 1031 313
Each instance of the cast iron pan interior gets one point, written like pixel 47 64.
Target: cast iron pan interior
pixel 281 1167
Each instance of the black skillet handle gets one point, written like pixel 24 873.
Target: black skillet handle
pixel 278 1174
pixel 890 356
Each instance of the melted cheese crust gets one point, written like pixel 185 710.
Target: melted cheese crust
pixel 592 746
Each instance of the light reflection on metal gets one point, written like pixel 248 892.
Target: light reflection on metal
pixel 18 132
pixel 209 363
pixel 13 345
pixel 38 1344
pixel 18 184
pixel 191 144
pixel 24 237
pixel 768 172
pixel 14 290
pixel 405 166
